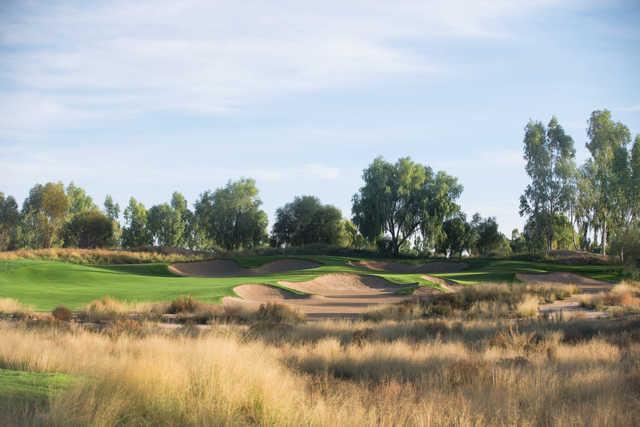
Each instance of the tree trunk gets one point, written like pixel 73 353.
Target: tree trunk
pixel 604 238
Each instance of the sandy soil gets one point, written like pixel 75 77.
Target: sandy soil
pixel 227 268
pixel 402 268
pixel 333 295
pixel 570 306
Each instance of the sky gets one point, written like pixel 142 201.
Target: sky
pixel 148 97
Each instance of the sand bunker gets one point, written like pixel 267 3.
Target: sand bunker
pixel 227 267
pixel 330 295
pixel 264 293
pixel 402 268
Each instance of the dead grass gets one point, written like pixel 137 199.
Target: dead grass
pixel 98 256
pixel 489 301
pixel 13 307
pixel 333 373
pixel 624 296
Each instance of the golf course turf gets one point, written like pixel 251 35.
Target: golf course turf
pixel 45 284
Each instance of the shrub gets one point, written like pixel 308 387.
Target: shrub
pixel 528 307
pixel 184 304
pixel 62 313
pixel 278 313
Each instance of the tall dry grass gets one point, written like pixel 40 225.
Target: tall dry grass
pixel 339 373
pixel 98 256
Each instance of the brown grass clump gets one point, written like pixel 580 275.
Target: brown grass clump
pixel 625 295
pixel 108 309
pixel 14 307
pixel 62 313
pixel 528 307
pixel 278 313
pixel 99 256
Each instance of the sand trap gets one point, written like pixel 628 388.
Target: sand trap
pixel 331 295
pixel 265 293
pixel 227 267
pixel 332 284
pixel 402 268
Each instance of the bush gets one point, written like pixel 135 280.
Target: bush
pixel 278 313
pixel 185 304
pixel 62 313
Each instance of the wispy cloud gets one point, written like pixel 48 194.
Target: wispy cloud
pixel 66 64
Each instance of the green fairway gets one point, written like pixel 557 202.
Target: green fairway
pixel 46 284
pixel 21 385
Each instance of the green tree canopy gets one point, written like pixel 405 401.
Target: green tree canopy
pixel 403 198
pixel 135 232
pixel 9 219
pixel 549 153
pixel 79 200
pixel 458 236
pixel 607 139
pixel 231 216
pixel 91 229
pixel 306 221
pixel 43 215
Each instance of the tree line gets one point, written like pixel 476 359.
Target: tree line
pixel 402 207
pixel 593 207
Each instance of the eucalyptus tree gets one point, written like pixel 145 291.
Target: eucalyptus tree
pixel 136 232
pixel 79 200
pixel 43 215
pixel 607 141
pixel 549 154
pixel 9 220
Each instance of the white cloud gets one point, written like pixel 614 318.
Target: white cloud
pixel 629 109
pixel 72 63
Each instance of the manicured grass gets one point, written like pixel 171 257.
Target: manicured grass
pixel 22 385
pixel 46 284
pixel 504 271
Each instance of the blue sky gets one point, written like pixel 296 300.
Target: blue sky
pixel 144 98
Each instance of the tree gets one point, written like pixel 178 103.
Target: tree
pixel 112 211
pixel 401 199
pixel 136 230
pixel 518 242
pixel 231 216
pixel 635 179
pixel 43 215
pixel 606 138
pixel 487 238
pixel 549 154
pixel 159 221
pixel 91 229
pixel 9 219
pixel 306 221
pixel 79 200
pixel 457 236
pixel 350 237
